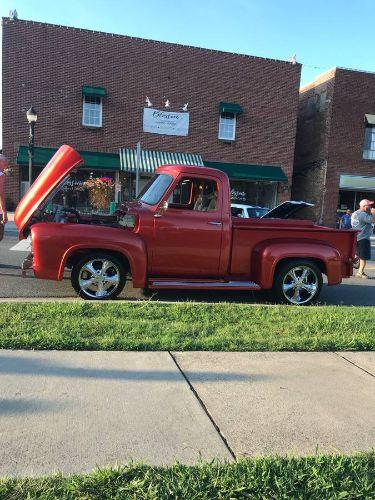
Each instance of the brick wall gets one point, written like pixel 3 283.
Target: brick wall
pixel 335 137
pixel 46 65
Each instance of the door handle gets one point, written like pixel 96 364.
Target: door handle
pixel 214 223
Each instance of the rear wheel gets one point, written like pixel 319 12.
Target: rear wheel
pixel 298 282
pixel 98 276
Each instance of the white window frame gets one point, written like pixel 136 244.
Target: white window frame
pixel 84 115
pixel 221 123
pixel 369 154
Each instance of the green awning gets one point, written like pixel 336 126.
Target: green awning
pixel 239 171
pixel 151 160
pixel 92 159
pixel 370 119
pixel 230 107
pixel 94 91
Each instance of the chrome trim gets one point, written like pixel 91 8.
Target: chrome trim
pixel 213 284
pixel 214 223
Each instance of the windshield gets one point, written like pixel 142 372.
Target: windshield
pixel 153 192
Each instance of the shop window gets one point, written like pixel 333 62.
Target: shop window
pixel 227 126
pixel 369 147
pixel 200 195
pixel 92 111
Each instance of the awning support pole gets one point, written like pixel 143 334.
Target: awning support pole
pixel 137 168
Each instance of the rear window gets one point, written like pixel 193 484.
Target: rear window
pixel 257 212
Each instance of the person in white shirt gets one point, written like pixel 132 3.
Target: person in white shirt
pixel 3 211
pixel 362 220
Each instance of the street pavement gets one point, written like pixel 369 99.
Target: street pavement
pixel 73 411
pixel 351 292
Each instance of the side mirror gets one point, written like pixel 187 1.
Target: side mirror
pixel 161 209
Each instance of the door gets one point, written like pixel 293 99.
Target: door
pixel 187 235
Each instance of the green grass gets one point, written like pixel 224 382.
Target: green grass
pixel 185 326
pixel 320 477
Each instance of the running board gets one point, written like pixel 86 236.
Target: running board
pixel 203 285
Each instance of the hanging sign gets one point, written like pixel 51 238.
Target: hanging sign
pixel 165 122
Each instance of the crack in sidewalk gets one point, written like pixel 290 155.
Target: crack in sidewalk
pixel 354 364
pixel 204 407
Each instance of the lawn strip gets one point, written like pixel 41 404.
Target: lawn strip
pixel 263 478
pixel 185 326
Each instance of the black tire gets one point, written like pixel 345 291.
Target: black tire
pixel 304 292
pixel 116 274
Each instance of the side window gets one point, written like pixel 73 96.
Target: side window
pixel 237 212
pixel 199 195
pixel 181 195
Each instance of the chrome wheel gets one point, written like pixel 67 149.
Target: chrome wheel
pixel 300 285
pixel 99 278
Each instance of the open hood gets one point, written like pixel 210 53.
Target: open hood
pixel 60 165
pixel 286 210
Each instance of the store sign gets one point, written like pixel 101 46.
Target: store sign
pixel 165 122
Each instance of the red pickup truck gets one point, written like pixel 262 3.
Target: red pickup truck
pixel 178 234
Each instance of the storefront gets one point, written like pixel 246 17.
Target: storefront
pixel 252 184
pixel 353 189
pixel 74 194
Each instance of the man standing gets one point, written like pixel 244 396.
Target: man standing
pixel 362 221
pixel 345 221
pixel 3 210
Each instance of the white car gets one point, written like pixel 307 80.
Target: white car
pixel 248 211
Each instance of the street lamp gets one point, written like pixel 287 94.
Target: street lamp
pixel 31 118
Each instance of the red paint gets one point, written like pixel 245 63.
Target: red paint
pixel 182 244
pixel 59 166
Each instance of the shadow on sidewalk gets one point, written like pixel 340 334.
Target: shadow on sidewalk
pixel 18 365
pixel 17 405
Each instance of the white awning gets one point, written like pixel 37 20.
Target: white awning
pixel 151 160
pixel 357 182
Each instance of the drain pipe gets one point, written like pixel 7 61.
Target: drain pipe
pixel 323 193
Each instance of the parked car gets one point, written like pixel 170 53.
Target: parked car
pixel 248 211
pixel 178 234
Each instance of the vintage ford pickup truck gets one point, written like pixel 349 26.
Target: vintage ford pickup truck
pixel 178 234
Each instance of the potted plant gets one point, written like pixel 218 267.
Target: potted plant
pixel 101 192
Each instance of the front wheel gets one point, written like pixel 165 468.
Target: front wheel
pixel 98 276
pixel 298 282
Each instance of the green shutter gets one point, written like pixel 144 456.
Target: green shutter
pixel 230 107
pixel 93 91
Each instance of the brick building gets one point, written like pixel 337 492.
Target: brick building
pixel 335 144
pixel 89 90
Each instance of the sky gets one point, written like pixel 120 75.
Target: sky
pixel 322 33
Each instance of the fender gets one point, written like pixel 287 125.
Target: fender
pixel 62 240
pixel 268 254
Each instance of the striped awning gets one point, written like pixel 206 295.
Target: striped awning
pixel 151 160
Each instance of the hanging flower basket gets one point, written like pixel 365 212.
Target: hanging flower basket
pixel 101 191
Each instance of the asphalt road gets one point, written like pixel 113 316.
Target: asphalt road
pixel 351 292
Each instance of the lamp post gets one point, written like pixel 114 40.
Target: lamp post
pixel 31 118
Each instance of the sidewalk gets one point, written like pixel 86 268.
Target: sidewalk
pixel 73 411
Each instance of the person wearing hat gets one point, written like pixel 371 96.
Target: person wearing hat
pixel 3 211
pixel 362 221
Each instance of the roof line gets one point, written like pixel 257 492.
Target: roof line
pixel 6 20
